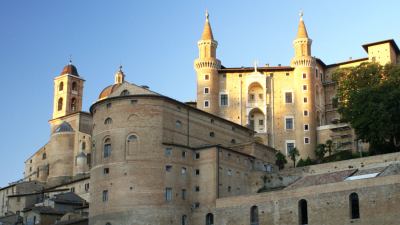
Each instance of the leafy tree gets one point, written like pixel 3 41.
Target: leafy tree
pixel 320 151
pixel 369 98
pixel 293 153
pixel 300 163
pixel 280 160
pixel 306 162
pixel 329 146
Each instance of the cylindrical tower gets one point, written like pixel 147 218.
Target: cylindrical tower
pixel 304 73
pixel 206 67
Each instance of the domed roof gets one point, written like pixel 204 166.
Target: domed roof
pixel 108 90
pixel 64 127
pixel 70 69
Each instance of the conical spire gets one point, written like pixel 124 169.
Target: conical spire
pixel 302 31
pixel 207 32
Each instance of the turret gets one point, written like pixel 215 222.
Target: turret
pixel 206 67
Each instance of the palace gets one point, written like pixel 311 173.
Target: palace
pixel 139 157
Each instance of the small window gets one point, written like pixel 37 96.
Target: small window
pixel 44 156
pixel 105 195
pixel 74 86
pixel 183 170
pixel 106 171
pixel 261 96
pixel 73 104
pixel 316 73
pixel 289 123
pixel 288 97
pixel 134 101
pixel 197 189
pixel 206 77
pixel 305 87
pixel 261 122
pixel 168 194
pixel 211 120
pixel 83 145
pixel 197 172
pixel 197 155
pixel 287 74
pixel 132 138
pixel 107 148
pixel 184 153
pixel 209 219
pixel 206 90
pixel 303 214
pixel 168 151
pixel 233 141
pixel 87 185
pixel 108 121
pixel 184 220
pixel 252 97
pixel 354 206
pixel 229 188
pixel 212 134
pixel 196 205
pixel 72 189
pixel 305 99
pixel 289 146
pixel 178 124
pixel 254 215
pixel 305 112
pixel 306 140
pixel 229 172
pixel 60 104
pixel 206 104
pixel 224 99
pixel 168 168
pixel 61 86
pixel 305 127
pixel 124 93
pixel 304 76
pixel 183 194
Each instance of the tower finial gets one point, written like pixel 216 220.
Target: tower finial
pixel 207 15
pixel 301 14
pixel 120 67
pixel 70 59
pixel 255 65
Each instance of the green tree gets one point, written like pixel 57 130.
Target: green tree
pixel 293 153
pixel 280 160
pixel 369 98
pixel 320 152
pixel 329 146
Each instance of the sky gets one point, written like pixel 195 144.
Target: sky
pixel 156 43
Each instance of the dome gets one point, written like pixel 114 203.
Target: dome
pixel 108 90
pixel 70 69
pixel 63 127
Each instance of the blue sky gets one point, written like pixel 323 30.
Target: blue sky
pixel 156 42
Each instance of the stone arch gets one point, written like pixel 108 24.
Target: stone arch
pixel 132 144
pixel 256 120
pixel 132 117
pixel 255 92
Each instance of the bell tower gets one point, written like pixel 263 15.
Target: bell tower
pixel 68 91
pixel 206 66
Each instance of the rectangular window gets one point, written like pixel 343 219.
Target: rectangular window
pixel 305 87
pixel 224 99
pixel 305 127
pixel 305 99
pixel 197 189
pixel 304 76
pixel 252 97
pixel 261 122
pixel 289 123
pixel 316 73
pixel 107 150
pixel 206 90
pixel 105 195
pixel 106 170
pixel 87 187
pixel 305 112
pixel 168 151
pixel 288 97
pixel 289 146
pixel 197 172
pixel 73 189
pixel 306 140
pixel 184 154
pixel 197 155
pixel 168 168
pixel 206 104
pixel 261 96
pixel 168 194
pixel 183 194
pixel 229 172
pixel 206 77
pixel 183 171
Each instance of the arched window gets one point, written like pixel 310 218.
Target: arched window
pixel 74 86
pixel 73 104
pixel 60 104
pixel 108 121
pixel 124 93
pixel 184 220
pixel 132 144
pixel 354 206
pixel 61 86
pixel 254 215
pixel 303 214
pixel 209 219
pixel 107 148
